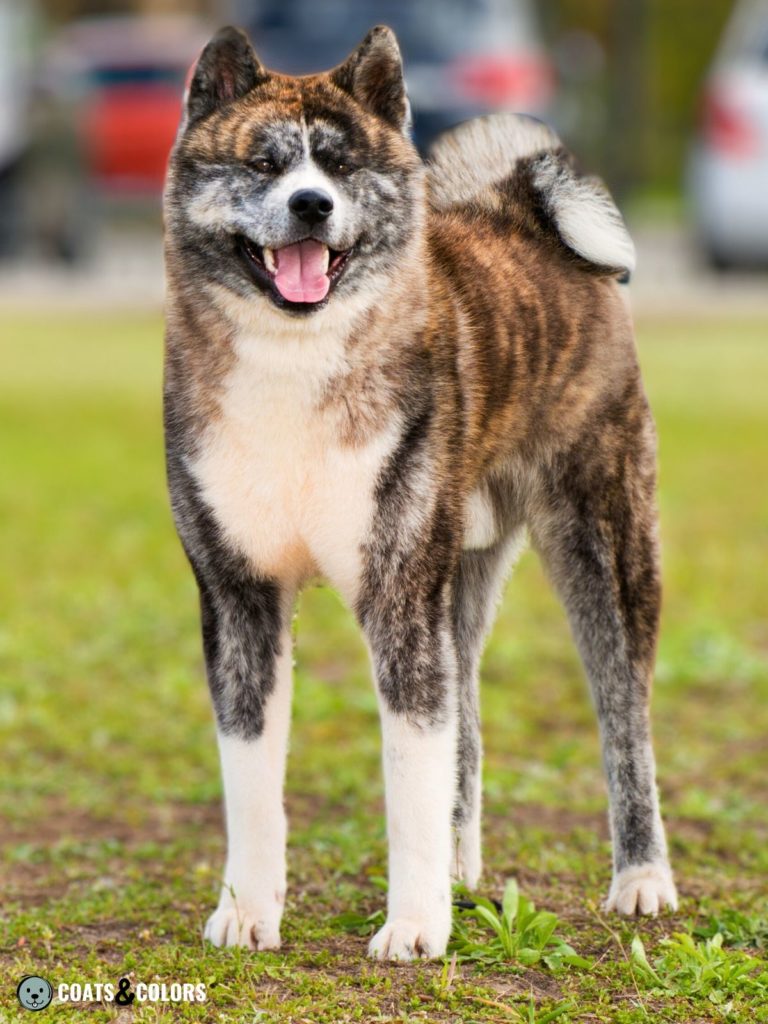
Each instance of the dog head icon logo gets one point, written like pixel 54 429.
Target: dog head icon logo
pixel 34 993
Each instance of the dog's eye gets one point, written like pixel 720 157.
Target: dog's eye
pixel 262 165
pixel 344 169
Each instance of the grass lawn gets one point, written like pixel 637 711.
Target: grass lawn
pixel 112 838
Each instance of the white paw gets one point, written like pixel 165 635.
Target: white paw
pixel 406 939
pixel 642 889
pixel 229 926
pixel 468 858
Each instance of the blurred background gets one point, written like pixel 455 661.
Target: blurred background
pixel 666 99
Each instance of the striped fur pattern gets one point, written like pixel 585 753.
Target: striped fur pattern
pixel 467 379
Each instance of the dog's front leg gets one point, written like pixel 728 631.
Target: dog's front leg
pixel 414 662
pixel 248 656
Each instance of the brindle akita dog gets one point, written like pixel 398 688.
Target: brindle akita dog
pixel 383 374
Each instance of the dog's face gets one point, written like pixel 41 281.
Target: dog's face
pixel 293 190
pixel 34 993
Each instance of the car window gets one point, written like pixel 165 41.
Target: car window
pixel 293 36
pixel 106 77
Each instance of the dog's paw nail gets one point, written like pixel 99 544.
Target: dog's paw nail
pixel 642 889
pixel 405 939
pixel 229 927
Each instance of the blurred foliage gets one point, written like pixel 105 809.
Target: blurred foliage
pixel 657 53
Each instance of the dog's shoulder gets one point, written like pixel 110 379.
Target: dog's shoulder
pixel 511 166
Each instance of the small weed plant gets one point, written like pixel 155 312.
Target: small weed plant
pixel 519 934
pixel 360 924
pixel 530 1014
pixel 702 969
pixel 742 931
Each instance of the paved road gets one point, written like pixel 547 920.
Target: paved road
pixel 671 279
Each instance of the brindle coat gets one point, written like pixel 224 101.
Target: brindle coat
pixel 471 375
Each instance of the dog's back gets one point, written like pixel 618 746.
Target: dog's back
pixel 526 255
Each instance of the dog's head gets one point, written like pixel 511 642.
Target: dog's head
pixel 34 993
pixel 293 190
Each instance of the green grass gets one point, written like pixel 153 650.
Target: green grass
pixel 112 839
pixel 702 970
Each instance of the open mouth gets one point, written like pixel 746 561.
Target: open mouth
pixel 298 277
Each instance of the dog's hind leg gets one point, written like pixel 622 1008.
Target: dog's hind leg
pixel 596 530
pixel 477 587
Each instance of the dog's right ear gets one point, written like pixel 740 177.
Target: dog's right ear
pixel 226 70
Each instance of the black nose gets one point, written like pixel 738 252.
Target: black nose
pixel 311 205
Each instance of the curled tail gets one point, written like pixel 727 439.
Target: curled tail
pixel 515 163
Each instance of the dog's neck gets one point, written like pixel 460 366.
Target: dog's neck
pixel 342 359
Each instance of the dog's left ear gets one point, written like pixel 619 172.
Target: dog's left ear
pixel 373 75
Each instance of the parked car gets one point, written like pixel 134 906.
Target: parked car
pixel 728 171
pixel 17 28
pixel 124 79
pixel 107 105
pixel 462 57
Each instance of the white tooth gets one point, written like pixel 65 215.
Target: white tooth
pixel 326 258
pixel 269 260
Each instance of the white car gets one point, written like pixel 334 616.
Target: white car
pixel 16 31
pixel 728 172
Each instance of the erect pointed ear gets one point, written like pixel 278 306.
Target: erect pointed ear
pixel 226 70
pixel 373 75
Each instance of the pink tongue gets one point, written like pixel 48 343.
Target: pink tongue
pixel 301 275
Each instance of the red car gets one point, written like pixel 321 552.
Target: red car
pixel 124 77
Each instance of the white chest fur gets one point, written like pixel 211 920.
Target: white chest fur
pixel 286 492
